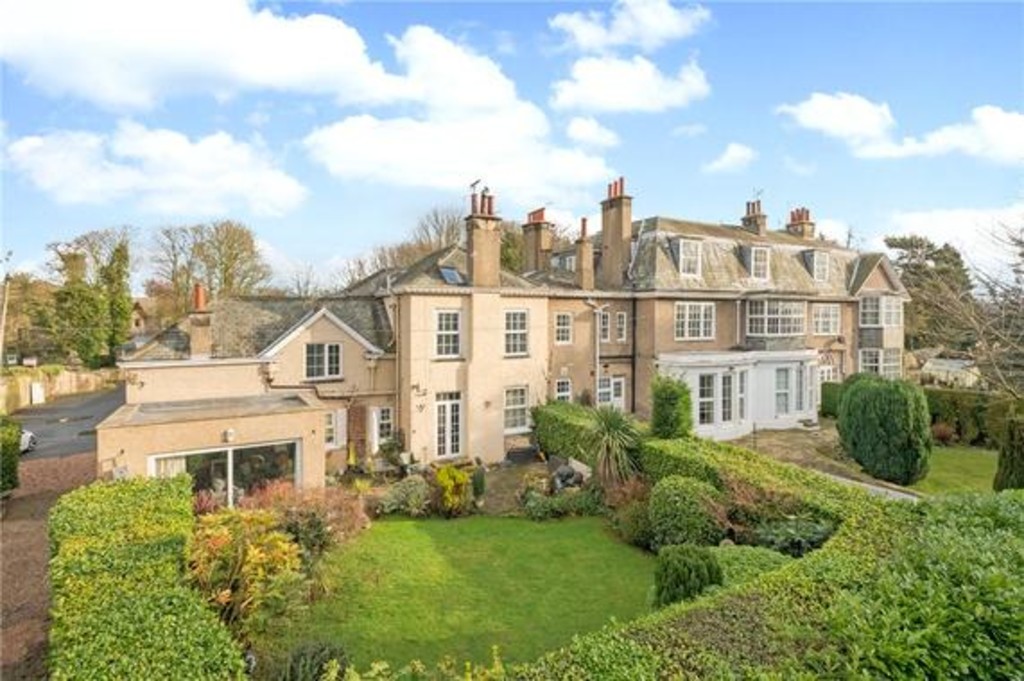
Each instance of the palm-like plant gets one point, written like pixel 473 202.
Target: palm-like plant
pixel 613 436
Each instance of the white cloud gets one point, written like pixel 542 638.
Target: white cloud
pixel 614 84
pixel 867 127
pixel 799 167
pixel 836 230
pixel 162 170
pixel 472 124
pixel 646 24
pixel 125 54
pixel 735 157
pixel 972 230
pixel 689 130
pixel 588 131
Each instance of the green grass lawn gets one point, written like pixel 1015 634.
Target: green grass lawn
pixel 959 469
pixel 424 589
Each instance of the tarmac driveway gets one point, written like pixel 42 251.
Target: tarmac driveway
pixel 67 425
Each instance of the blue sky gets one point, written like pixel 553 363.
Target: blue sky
pixel 329 127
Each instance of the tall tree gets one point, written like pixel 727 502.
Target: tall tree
pixel 81 321
pixel 114 279
pixel 925 269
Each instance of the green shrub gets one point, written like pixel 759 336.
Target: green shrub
pixel 121 608
pixel 632 522
pixel 683 572
pixel 409 496
pixel 884 426
pixel 479 480
pixel 671 408
pixel 1010 473
pixel 453 490
pixel 687 457
pixel 612 437
pixel 569 502
pixel 793 536
pixel 831 393
pixel 742 564
pixel 310 661
pixel 10 454
pixel 685 511
pixel 561 428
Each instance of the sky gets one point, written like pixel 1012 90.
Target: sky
pixel 330 127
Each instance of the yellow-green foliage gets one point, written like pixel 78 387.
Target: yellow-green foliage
pixel 121 608
pixel 454 487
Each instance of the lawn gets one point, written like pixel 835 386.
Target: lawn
pixel 424 589
pixel 959 469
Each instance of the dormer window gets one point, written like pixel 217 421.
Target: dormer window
pixel 759 263
pixel 820 265
pixel 689 257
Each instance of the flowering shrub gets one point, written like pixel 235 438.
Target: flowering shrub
pixel 454 490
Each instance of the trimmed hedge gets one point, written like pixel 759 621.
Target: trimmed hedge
pixel 671 408
pixel 683 572
pixel 684 511
pixel 831 393
pixel 884 426
pixel 10 454
pixel 561 428
pixel 121 606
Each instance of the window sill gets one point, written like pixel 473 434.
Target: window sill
pixel 446 358
pixel 696 340
pixel 518 356
pixel 325 379
pixel 518 431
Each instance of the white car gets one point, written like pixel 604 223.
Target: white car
pixel 28 441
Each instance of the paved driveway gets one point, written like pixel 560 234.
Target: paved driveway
pixel 67 425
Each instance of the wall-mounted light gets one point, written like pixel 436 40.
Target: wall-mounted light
pixel 228 435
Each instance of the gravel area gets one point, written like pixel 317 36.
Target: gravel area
pixel 24 554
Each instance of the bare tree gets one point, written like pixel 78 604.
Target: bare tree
pixel 304 282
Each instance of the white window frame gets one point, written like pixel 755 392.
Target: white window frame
pixel 689 262
pixel 728 394
pixel 517 414
pixel 699 316
pixel 450 442
pixel 881 312
pixel 756 251
pixel 447 338
pixel 741 394
pixel 826 319
pixel 569 263
pixel 563 390
pixel 783 391
pixel 892 363
pixel 800 383
pixel 605 322
pixel 563 332
pixel 330 429
pixel 385 423
pixel 763 314
pixel 819 265
pixel 827 373
pixel 621 329
pixel 607 386
pixel 706 399
pixel 325 373
pixel 892 311
pixel 517 338
pixel 869 361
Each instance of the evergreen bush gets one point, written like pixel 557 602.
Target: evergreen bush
pixel 685 511
pixel 310 661
pixel 885 427
pixel 10 454
pixel 683 572
pixel 1010 473
pixel 671 408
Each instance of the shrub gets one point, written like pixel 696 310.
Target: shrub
pixel 613 438
pixel 453 490
pixel 560 429
pixel 793 536
pixel 685 511
pixel 831 393
pixel 943 433
pixel 884 426
pixel 479 480
pixel 568 502
pixel 121 608
pixel 409 496
pixel 310 662
pixel 632 522
pixel 687 457
pixel 1010 472
pixel 742 564
pixel 671 409
pixel 683 572
pixel 247 570
pixel 10 454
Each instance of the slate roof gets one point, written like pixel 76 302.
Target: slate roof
pixel 244 327
pixel 426 273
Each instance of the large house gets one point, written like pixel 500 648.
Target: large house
pixel 448 355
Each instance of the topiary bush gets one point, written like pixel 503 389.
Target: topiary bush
pixel 685 511
pixel 793 536
pixel 310 662
pixel 1010 472
pixel 671 408
pixel 10 454
pixel 409 496
pixel 561 428
pixel 885 427
pixel 632 522
pixel 683 572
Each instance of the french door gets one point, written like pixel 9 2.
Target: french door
pixel 449 424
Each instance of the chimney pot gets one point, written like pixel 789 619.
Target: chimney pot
pixel 622 186
pixel 198 298
pixel 474 204
pixel 583 228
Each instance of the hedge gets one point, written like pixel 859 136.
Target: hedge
pixel 671 408
pixel 977 418
pixel 121 606
pixel 561 428
pixel 684 511
pixel 10 454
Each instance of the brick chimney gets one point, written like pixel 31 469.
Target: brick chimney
pixel 616 235
pixel 483 229
pixel 800 223
pixel 584 259
pixel 536 242
pixel 755 220
pixel 200 335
